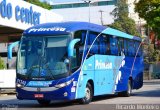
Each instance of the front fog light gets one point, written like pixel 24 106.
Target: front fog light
pixel 65 94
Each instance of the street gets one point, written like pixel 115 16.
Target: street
pixel 148 95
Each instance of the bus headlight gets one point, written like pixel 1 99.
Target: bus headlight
pixel 19 85
pixel 64 84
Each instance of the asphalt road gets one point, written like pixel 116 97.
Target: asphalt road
pixel 146 98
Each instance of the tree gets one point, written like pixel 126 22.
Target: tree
pixel 150 10
pixel 41 4
pixel 122 21
pixel 2 65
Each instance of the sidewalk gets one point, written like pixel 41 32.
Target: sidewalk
pixel 152 81
pixel 7 92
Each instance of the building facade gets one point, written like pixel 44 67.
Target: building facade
pixel 139 21
pixel 94 11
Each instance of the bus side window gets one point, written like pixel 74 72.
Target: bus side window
pixel 113 46
pixel 79 47
pixel 81 35
pixel 120 47
pixel 94 49
pixel 131 48
pixel 125 47
pixel 103 44
pixel 107 40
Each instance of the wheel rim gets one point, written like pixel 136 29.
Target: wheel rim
pixel 129 88
pixel 88 93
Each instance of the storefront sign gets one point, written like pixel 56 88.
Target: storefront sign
pixel 25 15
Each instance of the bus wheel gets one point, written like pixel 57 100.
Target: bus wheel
pixel 88 95
pixel 44 102
pixel 129 90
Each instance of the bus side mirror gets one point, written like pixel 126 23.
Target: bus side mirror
pixel 10 47
pixel 71 47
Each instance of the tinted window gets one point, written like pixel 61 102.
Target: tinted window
pixel 95 47
pixel 131 48
pixel 103 44
pixel 125 47
pixel 79 47
pixel 120 47
pixel 113 46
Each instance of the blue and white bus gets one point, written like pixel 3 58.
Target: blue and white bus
pixel 77 60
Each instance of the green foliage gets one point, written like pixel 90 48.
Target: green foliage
pixel 41 4
pixel 2 65
pixel 153 55
pixel 122 21
pixel 150 10
pixel 120 10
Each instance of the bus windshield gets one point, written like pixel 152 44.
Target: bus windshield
pixel 43 58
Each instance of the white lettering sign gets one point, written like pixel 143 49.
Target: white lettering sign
pixel 103 65
pixel 47 29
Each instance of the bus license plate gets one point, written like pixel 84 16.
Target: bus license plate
pixel 38 95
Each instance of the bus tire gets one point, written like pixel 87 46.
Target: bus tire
pixel 88 95
pixel 128 92
pixel 44 102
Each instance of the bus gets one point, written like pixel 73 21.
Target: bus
pixel 77 60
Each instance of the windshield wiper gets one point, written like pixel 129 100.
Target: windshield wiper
pixel 49 70
pixel 47 67
pixel 30 71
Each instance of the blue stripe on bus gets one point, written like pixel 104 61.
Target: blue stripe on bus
pixel 114 32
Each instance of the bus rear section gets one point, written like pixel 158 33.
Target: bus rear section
pixel 112 63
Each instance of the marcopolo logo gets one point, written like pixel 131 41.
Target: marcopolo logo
pixel 22 14
pixel 103 65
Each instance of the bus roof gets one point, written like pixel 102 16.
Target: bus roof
pixel 62 28
pixel 68 27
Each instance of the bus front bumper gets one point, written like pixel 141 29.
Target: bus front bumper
pixel 64 94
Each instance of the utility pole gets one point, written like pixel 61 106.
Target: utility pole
pixel 101 12
pixel 89 4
